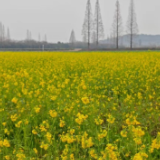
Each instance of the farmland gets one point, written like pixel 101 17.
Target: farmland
pixel 95 105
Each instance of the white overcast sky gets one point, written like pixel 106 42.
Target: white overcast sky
pixel 57 18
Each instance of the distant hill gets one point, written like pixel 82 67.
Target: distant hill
pixel 141 40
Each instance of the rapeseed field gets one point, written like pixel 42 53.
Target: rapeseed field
pixel 80 106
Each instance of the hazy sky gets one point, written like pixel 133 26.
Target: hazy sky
pixel 57 18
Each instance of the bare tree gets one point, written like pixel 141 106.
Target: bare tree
pixel 88 24
pixel 39 37
pixel 3 33
pixel 113 39
pixel 98 24
pixel 1 30
pixel 8 35
pixel 45 38
pixel 117 24
pixel 94 38
pixel 27 36
pixel 72 39
pixel 30 35
pixel 85 38
pixel 132 26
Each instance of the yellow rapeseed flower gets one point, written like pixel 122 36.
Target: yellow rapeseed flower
pixel 1 143
pixel 37 109
pixel 85 100
pixel 140 156
pixel 53 113
pixel 18 124
pixel 34 131
pixel 53 98
pixel 7 157
pixel 44 146
pixel 71 156
pixel 80 118
pixel 110 119
pixel 123 133
pixel 35 150
pixel 4 124
pixel 6 143
pixel 62 123
pixel 14 117
pixel 20 156
pixel 15 100
pixel 93 154
pixel 48 136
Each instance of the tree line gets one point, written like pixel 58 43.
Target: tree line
pixel 4 35
pixel 93 29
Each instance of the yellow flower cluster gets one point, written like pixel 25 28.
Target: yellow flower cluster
pixel 111 119
pixel 86 142
pixel 102 135
pixel 140 156
pixel 62 123
pixel 68 138
pixel 111 152
pixel 53 113
pixel 15 100
pixel 93 154
pixel 80 118
pixel 98 121
pixel 155 143
pixel 20 156
pixel 70 106
pixel 85 100
pixel 4 143
pixel 44 146
pixel 14 117
pixel 131 120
